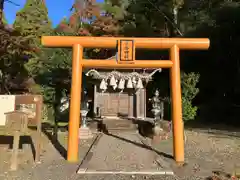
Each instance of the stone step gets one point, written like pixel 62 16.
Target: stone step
pixel 119 125
pixel 85 133
pixel 93 125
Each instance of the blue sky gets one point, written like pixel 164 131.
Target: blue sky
pixel 57 9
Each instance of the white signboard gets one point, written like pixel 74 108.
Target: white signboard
pixel 7 104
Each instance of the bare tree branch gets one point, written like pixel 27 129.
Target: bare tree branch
pixel 167 18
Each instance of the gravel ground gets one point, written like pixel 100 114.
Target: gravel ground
pixel 125 177
pixel 204 153
pixel 122 151
pixel 53 165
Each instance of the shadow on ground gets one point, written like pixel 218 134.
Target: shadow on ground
pixel 216 129
pixel 24 140
pixel 53 135
pixel 53 138
pixel 102 128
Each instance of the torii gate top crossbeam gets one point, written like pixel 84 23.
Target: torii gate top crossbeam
pixel 111 42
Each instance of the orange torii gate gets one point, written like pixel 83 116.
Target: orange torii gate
pixel 125 59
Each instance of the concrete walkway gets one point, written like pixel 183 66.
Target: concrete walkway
pixel 122 152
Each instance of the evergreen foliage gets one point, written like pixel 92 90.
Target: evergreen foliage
pixel 32 22
pixel 189 92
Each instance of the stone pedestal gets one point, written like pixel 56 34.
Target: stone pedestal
pixel 85 133
pixel 142 103
pixel 130 106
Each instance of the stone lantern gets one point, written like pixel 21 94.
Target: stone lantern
pixel 84 131
pixel 157 107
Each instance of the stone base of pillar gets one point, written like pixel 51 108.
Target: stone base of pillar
pixel 131 117
pixel 85 133
pixel 140 117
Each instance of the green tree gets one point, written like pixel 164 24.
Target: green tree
pixel 152 18
pixel 32 22
pixel 55 79
pixel 13 51
pixel 189 92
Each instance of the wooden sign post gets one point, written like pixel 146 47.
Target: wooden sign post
pixel 17 123
pixel 126 59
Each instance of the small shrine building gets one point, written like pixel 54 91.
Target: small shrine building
pixel 120 93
